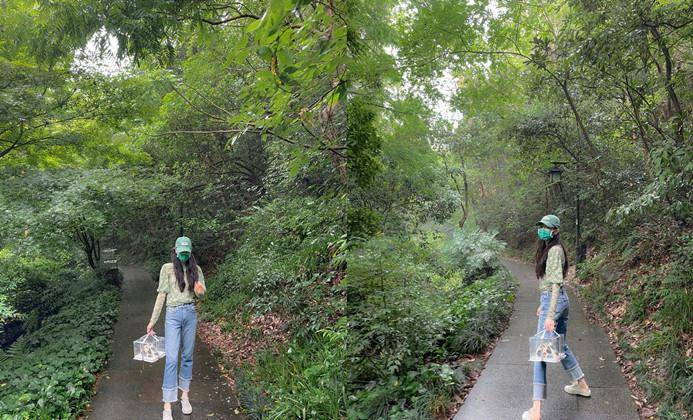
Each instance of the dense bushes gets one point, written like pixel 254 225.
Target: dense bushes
pixel 415 305
pixel 49 371
pixel 23 302
pixel 286 263
pixel 289 263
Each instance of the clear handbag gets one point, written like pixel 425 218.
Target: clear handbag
pixel 149 348
pixel 546 347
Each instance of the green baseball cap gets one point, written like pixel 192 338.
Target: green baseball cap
pixel 183 243
pixel 550 220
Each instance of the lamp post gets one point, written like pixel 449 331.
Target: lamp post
pixel 555 176
pixel 580 248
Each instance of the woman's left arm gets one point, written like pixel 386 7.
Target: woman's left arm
pixel 554 274
pixel 200 288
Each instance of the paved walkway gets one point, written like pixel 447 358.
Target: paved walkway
pixel 130 389
pixel 504 391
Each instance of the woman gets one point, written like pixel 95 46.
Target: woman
pixel 179 282
pixel 551 266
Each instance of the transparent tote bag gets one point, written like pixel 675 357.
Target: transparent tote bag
pixel 546 347
pixel 149 348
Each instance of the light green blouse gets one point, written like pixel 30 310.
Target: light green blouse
pixel 553 277
pixel 168 290
pixel 554 269
pixel 169 285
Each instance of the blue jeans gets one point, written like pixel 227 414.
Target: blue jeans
pixel 181 322
pixel 570 363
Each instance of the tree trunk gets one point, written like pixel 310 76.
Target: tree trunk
pixel 578 119
pixel 668 66
pixel 464 194
pixel 91 247
pixel 638 121
pixel 465 207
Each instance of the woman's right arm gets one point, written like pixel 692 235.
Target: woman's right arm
pixel 160 299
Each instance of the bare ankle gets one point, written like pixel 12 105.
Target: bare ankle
pixel 535 411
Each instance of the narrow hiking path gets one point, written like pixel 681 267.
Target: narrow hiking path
pixel 504 391
pixel 130 389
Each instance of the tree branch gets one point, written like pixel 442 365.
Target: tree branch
pixel 231 19
pixel 212 116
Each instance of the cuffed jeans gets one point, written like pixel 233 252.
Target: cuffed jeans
pixel 570 363
pixel 181 322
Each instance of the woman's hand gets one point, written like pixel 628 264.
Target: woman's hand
pixel 539 311
pixel 549 324
pixel 199 289
pixel 150 328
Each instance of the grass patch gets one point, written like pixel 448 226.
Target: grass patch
pixel 302 380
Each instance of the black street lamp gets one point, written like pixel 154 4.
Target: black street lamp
pixel 555 178
pixel 555 173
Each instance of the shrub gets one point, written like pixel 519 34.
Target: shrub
pixel 286 263
pixel 476 252
pixel 50 371
pixel 289 262
pixel 481 311
pixel 414 306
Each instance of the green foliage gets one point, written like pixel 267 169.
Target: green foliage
pixel 364 144
pixel 52 210
pixel 482 310
pixel 52 369
pixel 286 60
pixel 289 261
pixel 412 309
pixel 305 380
pixel 286 263
pixel 52 116
pixel 410 186
pixel 600 86
pixel 230 128
pixel 233 128
pixel 24 281
pixel 474 252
